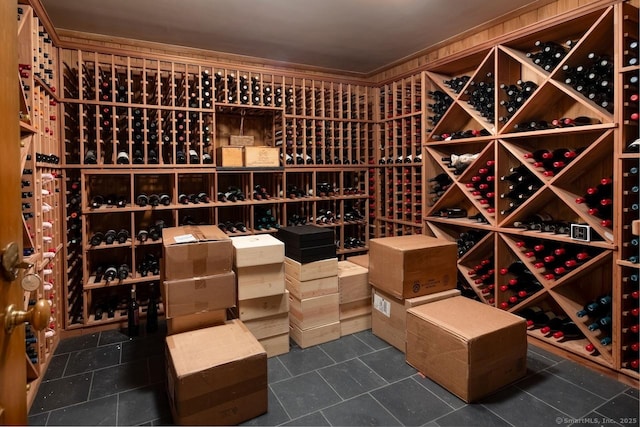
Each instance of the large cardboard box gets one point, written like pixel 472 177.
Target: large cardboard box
pixel 388 315
pixel 469 348
pixel 312 270
pixel 255 250
pixel 191 322
pixel 216 376
pixel 257 308
pixel 312 288
pixel 311 312
pixel 314 336
pixel 261 157
pixel 353 282
pixel 412 266
pixel 197 294
pixel 260 281
pixel 229 157
pixel 195 251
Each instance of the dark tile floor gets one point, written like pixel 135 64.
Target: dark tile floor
pixel 359 380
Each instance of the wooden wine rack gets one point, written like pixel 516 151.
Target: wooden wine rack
pixel 138 104
pixel 608 270
pixel 398 158
pixel 41 185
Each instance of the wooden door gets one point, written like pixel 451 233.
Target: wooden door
pixel 13 397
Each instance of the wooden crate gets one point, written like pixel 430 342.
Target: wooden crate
pixel 311 270
pixel 276 345
pixel 314 336
pixel 229 157
pixel 261 157
pixel 311 288
pixel 257 308
pixel 269 326
pixel 260 281
pixel 311 312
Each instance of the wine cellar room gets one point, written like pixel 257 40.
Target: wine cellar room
pixel 328 214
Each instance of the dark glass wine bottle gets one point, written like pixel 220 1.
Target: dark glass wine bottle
pixel 133 315
pixel 152 311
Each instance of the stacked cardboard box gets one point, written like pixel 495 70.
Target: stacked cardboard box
pixel 389 314
pixel 403 270
pixel 198 283
pixel 216 375
pixel 355 298
pixel 263 301
pixel 311 276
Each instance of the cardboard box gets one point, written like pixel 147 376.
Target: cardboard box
pixel 311 270
pixel 261 157
pixel 361 260
pixel 260 281
pixel 412 266
pixel 195 251
pixel 355 316
pixel 469 348
pixel 191 322
pixel 269 326
pixel 240 141
pixel 257 308
pixel 277 345
pixel 229 157
pixel 388 314
pixel 353 282
pixel 311 312
pixel 188 296
pixel 259 249
pixel 314 336
pixel 216 376
pixel 311 288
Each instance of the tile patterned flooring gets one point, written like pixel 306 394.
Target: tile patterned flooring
pixel 108 379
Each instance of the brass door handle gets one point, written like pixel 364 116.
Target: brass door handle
pixel 38 316
pixel 10 258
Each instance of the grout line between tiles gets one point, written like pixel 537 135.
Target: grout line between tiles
pixel 583 388
pixel 384 407
pixel 281 404
pixel 117 408
pixel 496 414
pixel 430 391
pixel 545 402
pixel 623 392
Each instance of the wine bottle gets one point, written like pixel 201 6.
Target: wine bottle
pixel 152 311
pixel 123 158
pixel 568 331
pixel 133 315
pixel 110 273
